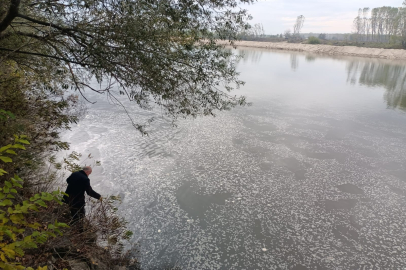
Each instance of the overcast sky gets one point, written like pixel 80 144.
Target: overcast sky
pixel 327 16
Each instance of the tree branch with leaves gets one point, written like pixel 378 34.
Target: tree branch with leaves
pixel 161 52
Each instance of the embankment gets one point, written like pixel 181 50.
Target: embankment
pixel 325 49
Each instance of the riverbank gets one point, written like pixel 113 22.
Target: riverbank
pixel 325 49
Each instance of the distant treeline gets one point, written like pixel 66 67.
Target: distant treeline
pixel 383 24
pixel 378 27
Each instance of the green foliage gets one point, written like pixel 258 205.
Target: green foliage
pixel 37 110
pixel 313 40
pixel 70 162
pixel 4 115
pixel 156 52
pixel 17 231
pixel 19 143
pixel 128 235
pixel 29 105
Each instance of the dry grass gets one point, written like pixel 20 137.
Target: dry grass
pixel 102 241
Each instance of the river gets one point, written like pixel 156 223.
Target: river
pixel 311 176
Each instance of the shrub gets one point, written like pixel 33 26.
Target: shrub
pixel 17 230
pixel 313 40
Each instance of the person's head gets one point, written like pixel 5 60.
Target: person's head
pixel 87 170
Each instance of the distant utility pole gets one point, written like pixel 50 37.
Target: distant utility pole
pixel 298 25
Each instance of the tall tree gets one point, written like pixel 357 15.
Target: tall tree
pixel 161 52
pixel 366 23
pixel 298 25
pixel 287 33
pixel 357 25
pixel 402 24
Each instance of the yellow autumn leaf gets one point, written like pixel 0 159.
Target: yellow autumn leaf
pixel 9 252
pixel 2 257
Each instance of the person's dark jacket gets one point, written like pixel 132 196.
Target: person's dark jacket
pixel 78 184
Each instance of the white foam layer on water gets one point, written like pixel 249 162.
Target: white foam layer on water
pixel 273 186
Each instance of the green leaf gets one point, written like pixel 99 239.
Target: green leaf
pixel 4 148
pixel 33 207
pixel 19 146
pixel 12 116
pixel 42 238
pixel 36 225
pixel 19 252
pixel 11 152
pixel 47 197
pixel 9 252
pixel 41 202
pixel 16 183
pixel 23 141
pixel 17 178
pixel 5 159
pixel 61 224
pixel 16 219
pixel 6 202
pixel 2 172
pixel 23 209
pixel 9 234
pixel 51 234
pixel 28 238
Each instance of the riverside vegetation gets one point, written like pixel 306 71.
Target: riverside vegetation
pixel 160 54
pixel 34 228
pixel 31 231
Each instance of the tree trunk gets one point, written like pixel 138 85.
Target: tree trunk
pixel 11 14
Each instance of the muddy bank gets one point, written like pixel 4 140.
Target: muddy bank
pixel 325 49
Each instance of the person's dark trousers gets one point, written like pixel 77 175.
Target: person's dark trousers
pixel 78 214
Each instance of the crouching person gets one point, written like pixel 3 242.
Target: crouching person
pixel 78 184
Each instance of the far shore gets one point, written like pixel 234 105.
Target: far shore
pixel 325 49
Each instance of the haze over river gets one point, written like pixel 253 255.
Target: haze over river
pixel 311 176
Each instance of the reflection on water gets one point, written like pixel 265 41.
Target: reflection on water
pixel 390 76
pixel 370 72
pixel 250 55
pixel 294 61
pixel 310 58
pixel 312 176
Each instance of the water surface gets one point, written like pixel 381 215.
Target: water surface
pixel 311 176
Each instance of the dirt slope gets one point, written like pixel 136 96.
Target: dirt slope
pixel 326 49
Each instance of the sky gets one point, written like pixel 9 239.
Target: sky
pixel 322 16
